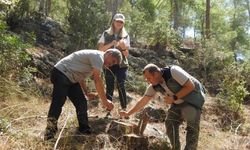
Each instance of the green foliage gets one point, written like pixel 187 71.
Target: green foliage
pixel 20 10
pixel 148 8
pixel 207 62
pixel 4 124
pixel 136 26
pixel 140 19
pixel 29 37
pixel 234 93
pixel 161 34
pixel 245 71
pixel 233 88
pixel 154 31
pixel 12 55
pixel 87 20
pixel 59 11
pixel 26 76
pixel 136 83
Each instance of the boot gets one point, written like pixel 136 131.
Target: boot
pixel 51 129
pixel 85 130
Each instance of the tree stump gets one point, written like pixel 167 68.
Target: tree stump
pixel 142 123
pixel 116 129
pixel 135 142
pixel 130 134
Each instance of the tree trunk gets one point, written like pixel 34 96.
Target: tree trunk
pixel 176 13
pixel 202 26
pixel 42 6
pixel 234 25
pixel 207 30
pixel 45 7
pixel 135 142
pixel 48 7
pixel 117 129
pixel 113 5
pixel 248 8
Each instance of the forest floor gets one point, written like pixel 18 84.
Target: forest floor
pixel 26 121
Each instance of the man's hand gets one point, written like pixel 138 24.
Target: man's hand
pixel 169 99
pixel 124 113
pixel 109 105
pixel 92 95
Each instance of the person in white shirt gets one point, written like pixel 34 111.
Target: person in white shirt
pixel 116 37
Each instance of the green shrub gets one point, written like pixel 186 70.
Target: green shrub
pixel 207 62
pixel 136 83
pixel 86 20
pixel 13 56
pixel 232 94
pixel 4 125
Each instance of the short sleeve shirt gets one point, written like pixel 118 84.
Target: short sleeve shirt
pixel 80 64
pixel 178 74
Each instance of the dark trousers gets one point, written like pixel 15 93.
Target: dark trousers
pixel 176 115
pixel 120 75
pixel 63 87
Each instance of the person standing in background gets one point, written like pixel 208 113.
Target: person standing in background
pixel 116 37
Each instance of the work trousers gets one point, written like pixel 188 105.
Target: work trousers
pixel 112 74
pixel 63 88
pixel 176 115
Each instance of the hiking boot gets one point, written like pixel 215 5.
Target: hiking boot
pixel 50 133
pixel 51 128
pixel 86 131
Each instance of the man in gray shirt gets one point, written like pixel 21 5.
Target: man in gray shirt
pixel 68 78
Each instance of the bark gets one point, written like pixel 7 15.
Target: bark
pixel 234 25
pixel 42 6
pixel 248 8
pixel 45 7
pixel 176 13
pixel 48 7
pixel 113 5
pixel 133 142
pixel 207 30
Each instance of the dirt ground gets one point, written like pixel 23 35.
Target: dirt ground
pixel 27 121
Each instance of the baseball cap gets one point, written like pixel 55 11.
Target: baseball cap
pixel 119 17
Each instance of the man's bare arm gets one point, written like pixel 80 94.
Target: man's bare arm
pixel 100 89
pixel 137 107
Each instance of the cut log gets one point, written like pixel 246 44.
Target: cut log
pixel 142 123
pixel 135 142
pixel 116 129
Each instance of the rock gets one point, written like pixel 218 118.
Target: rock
pixel 44 59
pixel 47 31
